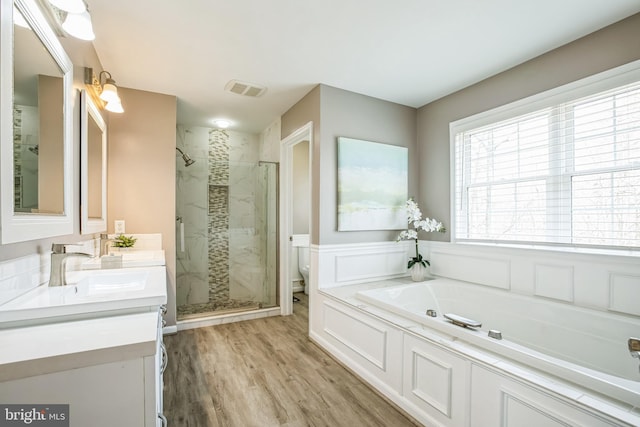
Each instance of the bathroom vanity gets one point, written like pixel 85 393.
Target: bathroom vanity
pixel 95 344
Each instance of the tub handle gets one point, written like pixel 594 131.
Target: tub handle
pixel 634 348
pixel 462 321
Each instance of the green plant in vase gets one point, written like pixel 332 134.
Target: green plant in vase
pixel 123 241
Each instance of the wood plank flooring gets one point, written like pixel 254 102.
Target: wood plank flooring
pixel 265 372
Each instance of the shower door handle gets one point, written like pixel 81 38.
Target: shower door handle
pixel 291 238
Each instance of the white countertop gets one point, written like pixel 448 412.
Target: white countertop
pixel 43 349
pixel 89 294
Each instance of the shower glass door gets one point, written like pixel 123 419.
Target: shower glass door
pixel 226 213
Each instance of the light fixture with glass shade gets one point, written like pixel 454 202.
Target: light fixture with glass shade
pixel 79 25
pixel 104 94
pixel 75 18
pixel 109 93
pixel 114 106
pixel 70 6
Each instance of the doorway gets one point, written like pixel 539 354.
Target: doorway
pixel 291 213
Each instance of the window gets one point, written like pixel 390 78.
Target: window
pixel 566 173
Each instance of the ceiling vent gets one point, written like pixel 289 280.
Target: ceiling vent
pixel 243 88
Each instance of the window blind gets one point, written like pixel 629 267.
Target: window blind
pixel 567 174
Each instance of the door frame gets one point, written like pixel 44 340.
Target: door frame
pixel 304 133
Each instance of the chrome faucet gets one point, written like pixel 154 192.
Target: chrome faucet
pixel 104 244
pixel 59 255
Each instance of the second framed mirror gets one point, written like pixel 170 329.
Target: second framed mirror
pixel 93 167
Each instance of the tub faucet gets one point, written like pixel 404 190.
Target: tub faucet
pixel 59 255
pixel 634 348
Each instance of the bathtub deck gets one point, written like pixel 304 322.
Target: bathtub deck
pixel 620 409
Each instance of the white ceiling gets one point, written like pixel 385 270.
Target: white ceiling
pixel 407 51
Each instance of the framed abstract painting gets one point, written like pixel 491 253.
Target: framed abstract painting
pixel 372 185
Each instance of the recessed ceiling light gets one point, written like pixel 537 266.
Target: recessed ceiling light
pixel 222 123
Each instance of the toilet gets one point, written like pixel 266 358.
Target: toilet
pixel 300 244
pixel 303 266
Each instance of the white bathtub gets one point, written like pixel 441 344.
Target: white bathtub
pixel 586 347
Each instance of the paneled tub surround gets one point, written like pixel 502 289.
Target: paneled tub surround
pixel 446 375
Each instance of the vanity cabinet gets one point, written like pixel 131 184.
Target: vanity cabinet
pixel 109 370
pixel 161 364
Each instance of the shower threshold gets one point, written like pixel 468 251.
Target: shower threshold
pixel 215 308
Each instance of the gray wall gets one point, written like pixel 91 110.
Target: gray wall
pixel 612 46
pixel 304 111
pixel 301 196
pixel 343 113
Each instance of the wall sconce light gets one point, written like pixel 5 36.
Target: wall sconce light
pixel 105 94
pixel 109 93
pixel 77 22
pixel 70 6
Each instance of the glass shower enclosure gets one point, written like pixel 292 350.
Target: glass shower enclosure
pixel 226 224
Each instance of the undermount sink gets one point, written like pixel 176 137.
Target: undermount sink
pixel 101 285
pixel 89 294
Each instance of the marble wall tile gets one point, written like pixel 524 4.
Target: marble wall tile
pixel 193 289
pixel 222 203
pixel 243 148
pixel 194 141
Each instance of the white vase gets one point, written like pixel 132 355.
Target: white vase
pixel 418 272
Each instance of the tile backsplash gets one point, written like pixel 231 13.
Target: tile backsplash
pixel 20 275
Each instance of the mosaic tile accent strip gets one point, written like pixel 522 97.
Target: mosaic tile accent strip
pixel 218 157
pixel 219 202
pixel 218 216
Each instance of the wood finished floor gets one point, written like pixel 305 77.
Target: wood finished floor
pixel 265 372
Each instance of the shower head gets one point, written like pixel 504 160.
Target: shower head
pixel 188 161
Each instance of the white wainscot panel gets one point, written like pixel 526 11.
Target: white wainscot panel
pixel 493 272
pixel 367 345
pixel 497 400
pixel 341 265
pixel 435 381
pixel 554 281
pixel 366 340
pixel 370 266
pixel 521 412
pixel 624 293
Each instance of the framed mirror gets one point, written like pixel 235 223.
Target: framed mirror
pixel 93 167
pixel 36 136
